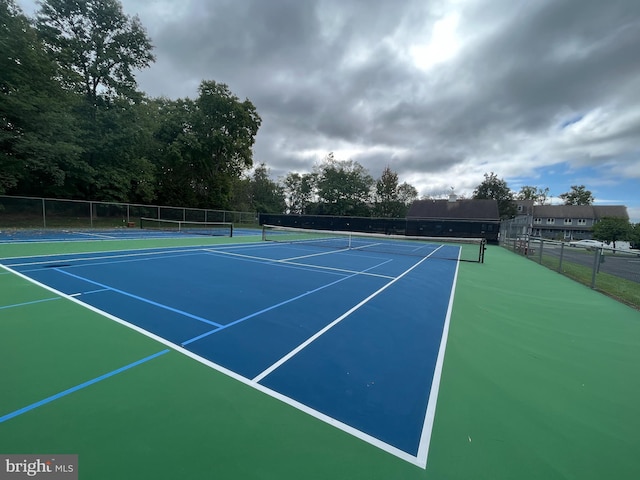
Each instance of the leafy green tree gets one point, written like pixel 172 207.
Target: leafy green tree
pixel 612 229
pixel 173 151
pixel 299 191
pixel 407 194
pixel 221 142
pixel 538 195
pixel 578 195
pixel 634 236
pixel 203 147
pixel 391 198
pixel 97 49
pixel 344 187
pixel 494 188
pixel 37 129
pixel 258 193
pixel 266 195
pixel 97 46
pixel 123 170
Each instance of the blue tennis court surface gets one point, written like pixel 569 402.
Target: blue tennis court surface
pixel 354 338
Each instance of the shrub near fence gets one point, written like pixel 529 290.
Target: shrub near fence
pixel 31 212
pixel 613 271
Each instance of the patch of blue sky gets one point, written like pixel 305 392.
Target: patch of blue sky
pixel 571 120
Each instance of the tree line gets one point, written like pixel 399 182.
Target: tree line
pixel 75 125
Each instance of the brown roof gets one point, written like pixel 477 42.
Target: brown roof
pixel 580 211
pixel 457 210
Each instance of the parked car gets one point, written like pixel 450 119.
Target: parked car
pixel 588 244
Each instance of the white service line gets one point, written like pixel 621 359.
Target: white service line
pixel 313 338
pixel 306 266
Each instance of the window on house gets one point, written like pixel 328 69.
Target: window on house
pixel 551 221
pixel 537 220
pixel 567 221
pixel 520 208
pixel 582 221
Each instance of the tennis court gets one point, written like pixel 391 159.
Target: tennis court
pixel 236 357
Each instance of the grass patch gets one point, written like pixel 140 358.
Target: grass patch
pixel 619 288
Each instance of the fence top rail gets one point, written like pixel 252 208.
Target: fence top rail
pixel 48 199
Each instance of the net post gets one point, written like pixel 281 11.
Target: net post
pixel 230 229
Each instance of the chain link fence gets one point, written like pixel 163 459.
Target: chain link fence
pixel 612 270
pixel 31 212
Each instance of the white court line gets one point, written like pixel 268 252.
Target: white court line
pixel 427 427
pixel 330 252
pixel 306 266
pixel 141 251
pixel 419 460
pixel 61 257
pixel 98 235
pixel 313 338
pixel 272 393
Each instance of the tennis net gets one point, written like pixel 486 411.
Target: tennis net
pixel 463 249
pixel 224 229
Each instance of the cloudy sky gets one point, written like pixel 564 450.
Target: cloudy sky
pixel 541 92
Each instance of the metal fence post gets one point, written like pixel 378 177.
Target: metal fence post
pixel 540 252
pixel 596 261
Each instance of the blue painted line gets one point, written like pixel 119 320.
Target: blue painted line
pixel 79 387
pixel 29 303
pixel 272 307
pixel 145 300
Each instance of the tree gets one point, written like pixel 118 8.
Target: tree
pixel 171 151
pixel 578 195
pixel 612 229
pixel 265 194
pixel 407 194
pixel 634 236
pixel 204 147
pixel 38 144
pixel 120 153
pixel 538 195
pixel 494 188
pixel 344 187
pixel 392 199
pixel 97 49
pixel 299 190
pixel 220 142
pixel 97 46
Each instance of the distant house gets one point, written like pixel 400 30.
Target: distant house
pixel 571 222
pixel 454 218
pixel 557 222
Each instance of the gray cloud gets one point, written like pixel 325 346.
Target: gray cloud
pixel 525 85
